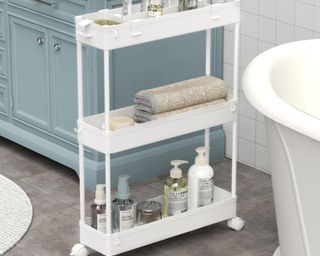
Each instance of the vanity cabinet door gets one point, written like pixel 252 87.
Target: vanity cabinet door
pixel 63 76
pixel 30 76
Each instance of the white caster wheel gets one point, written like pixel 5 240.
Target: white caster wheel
pixel 79 250
pixel 277 252
pixel 236 223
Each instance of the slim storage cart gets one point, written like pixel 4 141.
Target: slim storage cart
pixel 93 130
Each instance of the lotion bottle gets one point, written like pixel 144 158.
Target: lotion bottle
pixel 200 181
pixel 123 207
pixel 98 209
pixel 175 198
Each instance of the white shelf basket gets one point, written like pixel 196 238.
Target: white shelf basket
pixel 137 29
pixel 92 131
pixel 223 207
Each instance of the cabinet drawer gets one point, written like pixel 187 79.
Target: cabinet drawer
pixel 61 9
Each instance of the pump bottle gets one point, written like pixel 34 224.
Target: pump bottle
pixel 175 198
pixel 123 208
pixel 98 209
pixel 200 181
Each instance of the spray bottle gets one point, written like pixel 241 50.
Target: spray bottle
pixel 98 209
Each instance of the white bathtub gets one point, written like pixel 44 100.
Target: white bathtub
pixel 284 84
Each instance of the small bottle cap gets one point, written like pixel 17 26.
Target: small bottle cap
pixel 176 172
pixel 123 187
pixel 100 195
pixel 201 158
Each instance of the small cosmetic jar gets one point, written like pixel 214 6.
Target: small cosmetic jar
pixel 148 211
pixel 118 122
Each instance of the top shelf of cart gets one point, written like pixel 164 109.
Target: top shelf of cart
pixel 137 28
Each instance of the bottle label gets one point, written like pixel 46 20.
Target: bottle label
pixel 192 4
pixel 178 201
pixel 205 195
pixel 154 10
pixel 154 14
pixel 101 222
pixel 126 219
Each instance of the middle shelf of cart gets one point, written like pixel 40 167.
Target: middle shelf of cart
pixel 92 132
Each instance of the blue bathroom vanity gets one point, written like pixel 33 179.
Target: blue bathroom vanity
pixel 38 86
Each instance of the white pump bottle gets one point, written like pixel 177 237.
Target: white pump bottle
pixel 200 181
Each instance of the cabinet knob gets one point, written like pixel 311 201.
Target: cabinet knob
pixel 40 40
pixel 57 47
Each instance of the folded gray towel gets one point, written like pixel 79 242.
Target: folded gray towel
pixel 141 116
pixel 180 95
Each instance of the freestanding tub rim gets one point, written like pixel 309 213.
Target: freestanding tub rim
pixel 257 86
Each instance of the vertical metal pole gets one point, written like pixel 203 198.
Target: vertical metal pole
pixel 235 123
pixel 129 7
pixel 80 117
pixel 107 155
pixel 82 183
pixel 106 88
pixel 208 73
pixel 208 52
pixel 108 194
pixel 80 80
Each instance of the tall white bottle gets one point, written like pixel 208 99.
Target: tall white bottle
pixel 200 181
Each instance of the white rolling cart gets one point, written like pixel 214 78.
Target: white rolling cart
pixel 93 130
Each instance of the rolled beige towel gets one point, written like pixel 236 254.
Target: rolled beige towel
pixel 141 116
pixel 180 95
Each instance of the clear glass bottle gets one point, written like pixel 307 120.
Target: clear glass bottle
pixel 175 198
pixel 143 6
pixel 126 7
pixel 185 5
pixel 155 8
pixel 123 208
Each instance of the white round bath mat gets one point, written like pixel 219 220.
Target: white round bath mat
pixel 15 214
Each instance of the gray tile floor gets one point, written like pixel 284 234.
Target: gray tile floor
pixel 53 190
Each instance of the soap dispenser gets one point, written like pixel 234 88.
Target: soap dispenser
pixel 175 198
pixel 123 208
pixel 98 209
pixel 200 181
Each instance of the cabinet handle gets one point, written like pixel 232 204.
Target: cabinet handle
pixel 40 40
pixel 52 3
pixel 57 47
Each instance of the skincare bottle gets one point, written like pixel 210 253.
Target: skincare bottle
pixel 185 5
pixel 126 7
pixel 143 6
pixel 200 181
pixel 175 198
pixel 98 209
pixel 123 208
pixel 155 8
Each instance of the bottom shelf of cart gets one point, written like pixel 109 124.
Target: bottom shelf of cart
pixel 223 208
